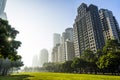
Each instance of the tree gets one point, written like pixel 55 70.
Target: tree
pixel 66 66
pixel 110 60
pixel 90 59
pixel 111 46
pixel 88 55
pixel 98 54
pixel 79 64
pixel 8 46
pixel 49 66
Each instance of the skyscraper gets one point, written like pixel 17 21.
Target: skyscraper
pixel 109 25
pixel 67 40
pixel 43 57
pixel 56 39
pixel 56 44
pixel 60 53
pixel 87 29
pixel 117 27
pixel 2 7
pixel 69 34
pixel 64 49
pixel 55 53
pixel 35 61
pixel 69 48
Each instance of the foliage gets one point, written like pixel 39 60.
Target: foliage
pixel 110 60
pixel 88 55
pixel 111 46
pixel 98 54
pixel 8 48
pixel 90 58
pixel 79 64
pixel 52 67
pixel 66 67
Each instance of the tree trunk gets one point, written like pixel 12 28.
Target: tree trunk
pixel 3 72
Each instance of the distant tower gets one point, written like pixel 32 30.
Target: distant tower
pixel 56 39
pixel 43 57
pixel 55 53
pixel 67 39
pixel 35 61
pixel 2 8
pixel 69 48
pixel 64 49
pixel 56 43
pixel 69 34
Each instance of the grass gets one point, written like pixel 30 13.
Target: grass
pixel 14 77
pixel 57 76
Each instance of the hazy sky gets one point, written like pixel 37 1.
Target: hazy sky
pixel 37 20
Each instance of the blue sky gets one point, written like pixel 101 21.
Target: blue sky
pixel 37 20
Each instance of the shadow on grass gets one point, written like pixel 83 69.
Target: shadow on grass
pixel 15 77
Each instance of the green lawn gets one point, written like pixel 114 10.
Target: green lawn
pixel 57 76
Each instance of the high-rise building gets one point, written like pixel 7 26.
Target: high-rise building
pixel 53 56
pixel 67 36
pixel 60 53
pixel 35 61
pixel 56 43
pixel 63 39
pixel 55 53
pixel 109 25
pixel 87 29
pixel 117 27
pixel 2 7
pixel 62 46
pixel 56 39
pixel 69 48
pixel 43 57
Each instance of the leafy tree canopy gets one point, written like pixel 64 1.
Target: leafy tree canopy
pixel 8 44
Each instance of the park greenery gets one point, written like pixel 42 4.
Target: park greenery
pixel 9 59
pixel 103 61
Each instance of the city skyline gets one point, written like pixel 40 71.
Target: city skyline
pixel 47 17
